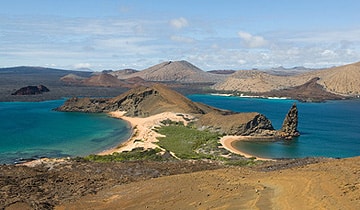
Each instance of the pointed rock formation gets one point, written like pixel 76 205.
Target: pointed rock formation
pixel 289 127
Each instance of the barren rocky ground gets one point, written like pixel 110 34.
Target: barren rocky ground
pixel 298 184
pixel 47 185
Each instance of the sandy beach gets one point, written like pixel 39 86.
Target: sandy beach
pixel 228 141
pixel 143 134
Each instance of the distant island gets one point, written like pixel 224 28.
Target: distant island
pixel 307 85
pixel 31 90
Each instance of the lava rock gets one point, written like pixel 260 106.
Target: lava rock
pixel 31 90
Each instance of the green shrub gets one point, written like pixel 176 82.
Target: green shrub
pixel 185 141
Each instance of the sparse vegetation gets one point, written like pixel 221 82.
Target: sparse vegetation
pixel 135 154
pixel 189 143
pixel 242 162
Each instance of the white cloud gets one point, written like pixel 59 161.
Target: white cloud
pixel 111 43
pixel 179 23
pixel 82 66
pixel 182 39
pixel 252 41
pixel 328 53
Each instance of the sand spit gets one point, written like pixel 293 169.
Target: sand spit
pixel 143 130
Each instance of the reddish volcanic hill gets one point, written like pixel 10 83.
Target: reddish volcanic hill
pixel 103 79
pixel 177 71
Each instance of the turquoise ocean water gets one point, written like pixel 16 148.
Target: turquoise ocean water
pixel 33 130
pixel 330 129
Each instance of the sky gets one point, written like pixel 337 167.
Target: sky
pixel 211 34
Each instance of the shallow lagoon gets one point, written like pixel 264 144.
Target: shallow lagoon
pixel 32 130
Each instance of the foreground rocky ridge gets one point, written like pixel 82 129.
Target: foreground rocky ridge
pixel 301 184
pixel 55 182
pixel 148 101
pixel 284 184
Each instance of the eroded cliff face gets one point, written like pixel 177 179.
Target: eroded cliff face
pixel 240 124
pixel 91 105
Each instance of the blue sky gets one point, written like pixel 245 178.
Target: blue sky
pixel 211 34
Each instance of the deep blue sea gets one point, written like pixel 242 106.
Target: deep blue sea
pixel 330 129
pixel 33 130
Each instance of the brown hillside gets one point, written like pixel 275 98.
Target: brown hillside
pixel 176 71
pixel 141 101
pixel 121 74
pixel 256 81
pixel 310 91
pixel 341 80
pixel 103 79
pixel 72 78
pixel 146 101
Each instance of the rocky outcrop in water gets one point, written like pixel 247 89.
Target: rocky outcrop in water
pixel 31 90
pixel 289 127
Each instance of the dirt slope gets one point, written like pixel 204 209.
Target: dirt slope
pixel 333 184
pixel 341 80
pixel 257 82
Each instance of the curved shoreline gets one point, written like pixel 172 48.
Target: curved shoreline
pixel 228 141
